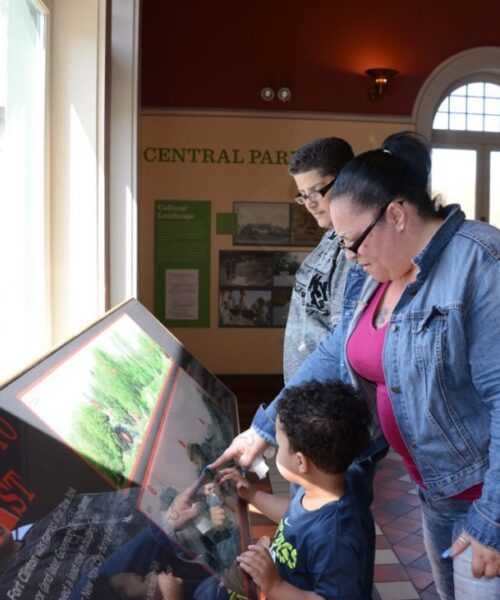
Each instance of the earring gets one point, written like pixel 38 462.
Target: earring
pixel 401 227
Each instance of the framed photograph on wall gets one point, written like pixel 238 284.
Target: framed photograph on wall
pixel 280 306
pixel 245 308
pixel 246 269
pixel 255 287
pixel 262 224
pixel 285 265
pixel 304 230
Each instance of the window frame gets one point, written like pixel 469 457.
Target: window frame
pixel 475 65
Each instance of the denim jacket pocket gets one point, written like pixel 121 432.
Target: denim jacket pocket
pixel 429 337
pixel 432 332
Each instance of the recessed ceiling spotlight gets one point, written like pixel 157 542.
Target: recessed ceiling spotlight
pixel 267 94
pixel 284 94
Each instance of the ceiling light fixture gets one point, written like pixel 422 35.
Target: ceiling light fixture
pixel 284 94
pixel 267 94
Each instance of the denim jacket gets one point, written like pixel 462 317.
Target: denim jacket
pixel 441 362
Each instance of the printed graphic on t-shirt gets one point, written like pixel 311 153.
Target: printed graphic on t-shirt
pixel 281 550
pixel 317 294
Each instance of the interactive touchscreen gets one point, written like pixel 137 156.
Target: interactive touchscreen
pixel 104 485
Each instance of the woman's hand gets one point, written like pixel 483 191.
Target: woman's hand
pixel 485 561
pixel 183 509
pixel 244 449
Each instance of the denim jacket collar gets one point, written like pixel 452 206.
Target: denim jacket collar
pixel 424 260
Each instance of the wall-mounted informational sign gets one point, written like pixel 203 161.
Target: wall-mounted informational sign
pixel 182 262
pixel 221 156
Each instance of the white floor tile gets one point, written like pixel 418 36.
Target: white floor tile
pixel 386 557
pixel 378 531
pixel 397 590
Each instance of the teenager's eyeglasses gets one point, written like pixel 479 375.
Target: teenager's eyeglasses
pixel 354 247
pixel 315 195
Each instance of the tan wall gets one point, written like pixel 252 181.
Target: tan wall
pixel 249 351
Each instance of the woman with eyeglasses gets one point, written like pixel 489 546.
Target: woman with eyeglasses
pixel 316 301
pixel 426 293
pixel 420 335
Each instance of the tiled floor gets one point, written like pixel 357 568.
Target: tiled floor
pixel 402 571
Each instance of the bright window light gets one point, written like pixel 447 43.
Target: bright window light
pixel 471 107
pixel 24 324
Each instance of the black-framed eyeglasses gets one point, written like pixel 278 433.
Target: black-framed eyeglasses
pixel 315 195
pixel 354 247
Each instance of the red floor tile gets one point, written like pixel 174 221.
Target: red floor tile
pixel 382 517
pixel 386 493
pixel 398 509
pixel 395 536
pixel 406 555
pixel 421 579
pixel 422 563
pixel 410 499
pixel 416 514
pixel 382 543
pixel 428 595
pixel 413 541
pixel 396 484
pixel 390 573
pixel 409 525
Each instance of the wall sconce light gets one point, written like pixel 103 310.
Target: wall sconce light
pixel 381 77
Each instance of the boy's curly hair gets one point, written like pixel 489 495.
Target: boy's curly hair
pixel 327 421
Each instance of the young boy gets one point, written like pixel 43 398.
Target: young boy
pixel 319 550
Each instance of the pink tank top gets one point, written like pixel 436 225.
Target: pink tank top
pixel 364 353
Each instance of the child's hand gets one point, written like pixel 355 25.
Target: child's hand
pixel 170 587
pixel 257 562
pixel 244 488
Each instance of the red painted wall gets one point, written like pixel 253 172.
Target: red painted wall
pixel 219 54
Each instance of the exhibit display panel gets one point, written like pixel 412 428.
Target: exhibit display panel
pixel 104 486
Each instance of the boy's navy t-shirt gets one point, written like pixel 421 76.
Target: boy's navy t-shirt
pixel 322 550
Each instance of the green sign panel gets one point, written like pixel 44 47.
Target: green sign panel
pixel 182 263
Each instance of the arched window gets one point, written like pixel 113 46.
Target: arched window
pixel 458 109
pixel 470 107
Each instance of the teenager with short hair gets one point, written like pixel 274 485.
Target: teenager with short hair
pixel 316 301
